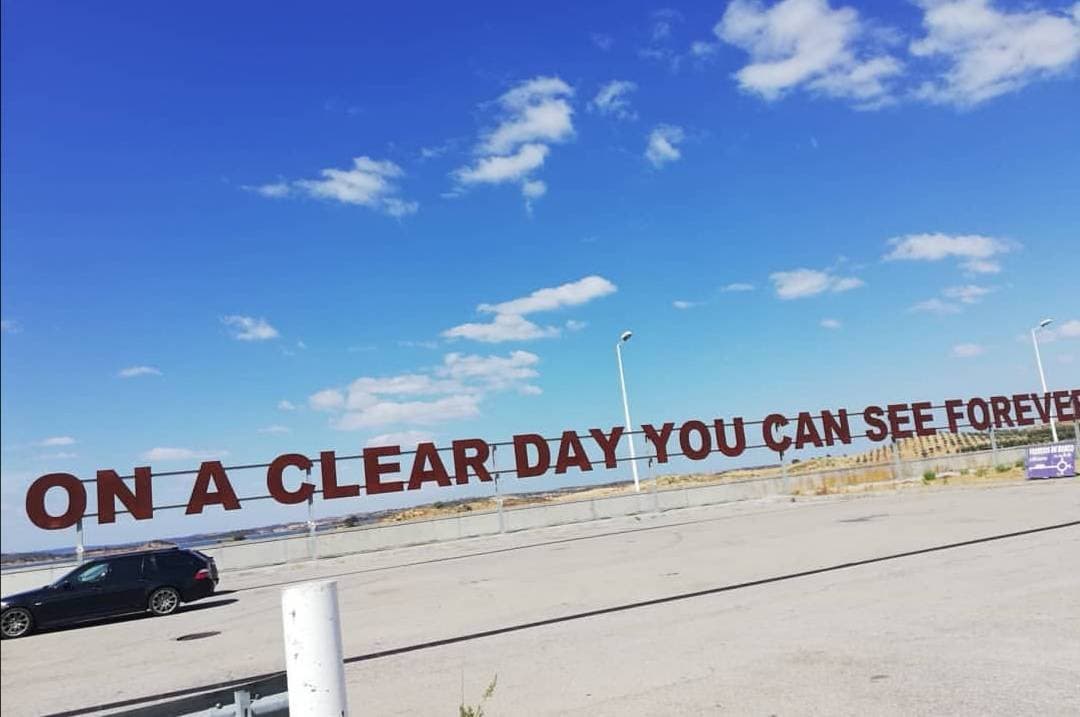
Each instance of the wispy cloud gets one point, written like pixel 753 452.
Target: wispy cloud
pixel 968 350
pixel 55 441
pixel 247 328
pixel 533 115
pixel 406 439
pixel 275 429
pixel 989 52
pixel 803 283
pixel 662 146
pixel 284 405
pixel 966 294
pixel 831 324
pixel 681 304
pixel 166 454
pixel 368 182
pixel 9 326
pixel 453 390
pixel 509 322
pixel 135 371
pixel 977 254
pixel 737 286
pixel 936 306
pixel 504 327
pixel 613 99
pixel 808 44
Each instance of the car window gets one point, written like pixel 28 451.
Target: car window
pixel 174 561
pixel 92 574
pixel 125 569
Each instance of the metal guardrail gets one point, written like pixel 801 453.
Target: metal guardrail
pixel 267 696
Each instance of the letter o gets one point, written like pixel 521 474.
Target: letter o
pixel 35 501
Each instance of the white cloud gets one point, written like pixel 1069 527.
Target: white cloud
pixel 1065 330
pixel 801 283
pixel 491 372
pixel 9 326
pixel 275 429
pixel 832 324
pixel 180 454
pixel 58 456
pixel 274 190
pixel 662 146
pixel 613 99
pixel 418 412
pixel 575 325
pixel 533 189
pixel 406 439
pixel 55 441
pixel 504 327
pixel 505 168
pixel 133 371
pixel 603 41
pixel 1069 329
pixel 450 391
pixel 967 294
pixel 284 405
pixel 967 350
pixel 989 52
pixel 702 50
pixel 329 399
pixel 973 250
pixel 936 306
pixel 738 286
pixel 247 328
pixel 534 115
pixel 510 324
pixel 807 43
pixel 680 304
pixel 369 182
pixel 573 293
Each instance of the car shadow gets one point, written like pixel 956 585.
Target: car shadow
pixel 204 604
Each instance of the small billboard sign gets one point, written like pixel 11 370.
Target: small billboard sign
pixel 1054 461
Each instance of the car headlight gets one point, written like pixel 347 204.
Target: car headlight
pixel 3 604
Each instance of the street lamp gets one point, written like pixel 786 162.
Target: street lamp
pixel 626 406
pixel 1042 377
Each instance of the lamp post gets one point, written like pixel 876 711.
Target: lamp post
pixel 1042 376
pixel 626 406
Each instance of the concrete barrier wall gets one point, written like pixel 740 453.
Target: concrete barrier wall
pixel 276 551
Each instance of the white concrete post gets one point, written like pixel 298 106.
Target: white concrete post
pixel 80 548
pixel 313 656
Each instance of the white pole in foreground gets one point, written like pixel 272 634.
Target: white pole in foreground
pixel 1042 377
pixel 313 658
pixel 626 407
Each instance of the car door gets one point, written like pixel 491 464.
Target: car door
pixel 123 589
pixel 76 597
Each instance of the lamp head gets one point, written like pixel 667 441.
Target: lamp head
pixel 626 336
pixel 1045 322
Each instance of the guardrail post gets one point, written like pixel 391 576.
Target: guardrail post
pixel 498 497
pixel 80 548
pixel 897 469
pixel 313 655
pixel 655 488
pixel 313 548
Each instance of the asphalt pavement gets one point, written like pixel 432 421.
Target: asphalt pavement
pixel 929 601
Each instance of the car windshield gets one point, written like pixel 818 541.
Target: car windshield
pixel 83 574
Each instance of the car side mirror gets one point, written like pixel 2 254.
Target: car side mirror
pixel 66 585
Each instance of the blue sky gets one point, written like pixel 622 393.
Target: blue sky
pixel 217 218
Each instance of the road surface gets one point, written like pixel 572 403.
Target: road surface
pixel 837 605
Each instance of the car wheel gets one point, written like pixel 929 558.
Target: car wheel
pixel 164 601
pixel 16 622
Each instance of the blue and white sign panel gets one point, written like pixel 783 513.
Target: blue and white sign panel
pixel 1054 461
